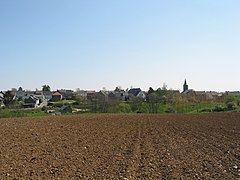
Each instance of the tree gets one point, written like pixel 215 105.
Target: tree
pixel 161 95
pixel 20 89
pixel 170 97
pixel 81 99
pixel 46 88
pixel 124 108
pixel 164 88
pixel 14 90
pixel 117 89
pixel 151 90
pixel 229 99
pixel 135 103
pixel 151 96
pixel 8 98
pixel 230 102
pixel 153 101
pixel 144 108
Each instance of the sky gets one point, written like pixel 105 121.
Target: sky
pixel 93 44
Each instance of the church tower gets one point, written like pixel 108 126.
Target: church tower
pixel 185 86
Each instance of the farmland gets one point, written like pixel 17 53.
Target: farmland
pixel 118 146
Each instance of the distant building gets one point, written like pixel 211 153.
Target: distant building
pixel 118 94
pixel 137 92
pixel 20 93
pixel 65 109
pixel 31 102
pixel 233 93
pixel 186 90
pixel 82 93
pixel 1 95
pixel 185 86
pixel 91 95
pixel 1 99
pixel 57 96
pixel 67 94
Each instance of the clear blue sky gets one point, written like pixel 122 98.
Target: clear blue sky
pixel 91 44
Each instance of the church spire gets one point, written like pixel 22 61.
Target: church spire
pixel 185 86
pixel 185 82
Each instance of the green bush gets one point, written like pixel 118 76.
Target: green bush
pixel 218 108
pixel 170 109
pixel 124 108
pixel 7 113
pixel 144 108
pixel 231 106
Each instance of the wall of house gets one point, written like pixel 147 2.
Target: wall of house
pixel 56 98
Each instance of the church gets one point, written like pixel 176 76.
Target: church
pixel 185 88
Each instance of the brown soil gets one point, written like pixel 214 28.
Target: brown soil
pixel 121 147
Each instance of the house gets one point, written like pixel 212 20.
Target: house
pixel 1 99
pixel 173 92
pixel 57 96
pixel 81 93
pixel 67 94
pixel 29 93
pixel 189 92
pixel 38 92
pixel 25 95
pixel 137 92
pixel 120 94
pixel 134 91
pixel 20 93
pixel 141 94
pixel 1 95
pixel 101 96
pixel 233 93
pixel 212 95
pixel 65 109
pixel 31 102
pixel 91 95
pixel 112 96
pixel 39 95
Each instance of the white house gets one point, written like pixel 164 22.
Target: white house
pixel 1 99
pixel 137 92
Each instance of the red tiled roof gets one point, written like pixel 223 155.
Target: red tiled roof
pixel 56 94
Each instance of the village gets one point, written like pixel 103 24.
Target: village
pixel 123 101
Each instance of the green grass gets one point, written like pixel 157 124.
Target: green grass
pixel 6 113
pixel 195 108
pixel 60 103
pixel 65 102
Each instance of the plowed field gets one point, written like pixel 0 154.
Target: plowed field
pixel 121 147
